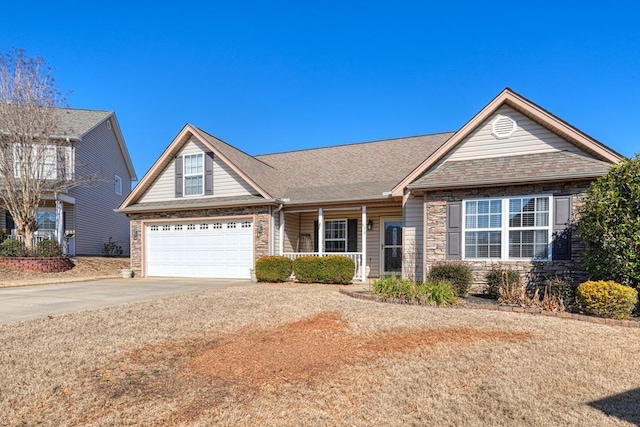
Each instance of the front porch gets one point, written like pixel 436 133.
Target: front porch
pixel 55 222
pixel 370 235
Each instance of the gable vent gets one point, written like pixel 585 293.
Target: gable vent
pixel 503 127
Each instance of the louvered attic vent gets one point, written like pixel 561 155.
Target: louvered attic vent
pixel 503 127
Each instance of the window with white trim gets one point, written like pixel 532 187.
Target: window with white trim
pixel 35 161
pixel 46 218
pixel 118 185
pixel 335 235
pixel 507 228
pixel 193 174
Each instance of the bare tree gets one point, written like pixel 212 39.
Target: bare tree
pixel 35 158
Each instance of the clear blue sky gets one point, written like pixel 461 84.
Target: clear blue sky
pixel 279 75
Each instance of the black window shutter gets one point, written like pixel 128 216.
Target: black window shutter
pixel 562 228
pixel 208 174
pixel 352 235
pixel 179 172
pixel 10 223
pixel 315 236
pixel 454 230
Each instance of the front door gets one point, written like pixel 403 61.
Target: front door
pixel 391 238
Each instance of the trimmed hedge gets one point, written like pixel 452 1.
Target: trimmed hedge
pixel 13 247
pixel 273 268
pixel 458 273
pixel 48 248
pixel 607 299
pixel 496 278
pixel 333 269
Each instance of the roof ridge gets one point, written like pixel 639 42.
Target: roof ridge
pixel 233 146
pixel 352 143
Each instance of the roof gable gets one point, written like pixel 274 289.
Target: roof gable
pixel 528 109
pixel 231 156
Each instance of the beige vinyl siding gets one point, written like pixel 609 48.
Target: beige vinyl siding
pixel 413 237
pixel 291 237
pixel 529 138
pixel 98 155
pixel 226 182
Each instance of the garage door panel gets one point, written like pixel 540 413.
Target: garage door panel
pixel 217 249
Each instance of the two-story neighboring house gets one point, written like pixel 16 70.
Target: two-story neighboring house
pixel 82 218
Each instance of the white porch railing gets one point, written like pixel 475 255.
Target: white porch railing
pixel 68 243
pixel 355 256
pixel 36 239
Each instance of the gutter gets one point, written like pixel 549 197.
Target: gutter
pixel 232 204
pixel 488 183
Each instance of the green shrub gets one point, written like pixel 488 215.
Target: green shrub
pixel 610 225
pixel 499 278
pixel 439 292
pixel 334 269
pixel 307 269
pixel 337 269
pixel 12 247
pixel 273 268
pixel 607 299
pixel 458 273
pixel 48 248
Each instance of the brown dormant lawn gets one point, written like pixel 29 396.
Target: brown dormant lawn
pixel 307 355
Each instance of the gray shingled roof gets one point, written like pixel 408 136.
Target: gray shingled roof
pixel 354 171
pixel 75 123
pixel 261 173
pixel 558 165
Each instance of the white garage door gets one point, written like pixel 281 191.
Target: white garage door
pixel 217 249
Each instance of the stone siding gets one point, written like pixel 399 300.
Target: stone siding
pixel 533 272
pixel 261 214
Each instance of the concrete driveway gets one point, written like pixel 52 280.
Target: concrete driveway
pixel 33 302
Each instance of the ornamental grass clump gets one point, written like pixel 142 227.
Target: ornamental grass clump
pixel 273 268
pixel 501 279
pixel 607 299
pixel 438 292
pixel 458 273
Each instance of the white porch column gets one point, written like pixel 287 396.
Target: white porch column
pixel 281 239
pixel 60 226
pixel 364 243
pixel 320 231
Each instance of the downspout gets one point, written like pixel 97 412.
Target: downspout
pixel 272 228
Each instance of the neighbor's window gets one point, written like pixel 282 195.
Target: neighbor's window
pixel 46 219
pixel 118 186
pixel 335 236
pixel 193 174
pixel 507 228
pixel 35 161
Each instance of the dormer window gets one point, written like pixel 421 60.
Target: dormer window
pixel 193 174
